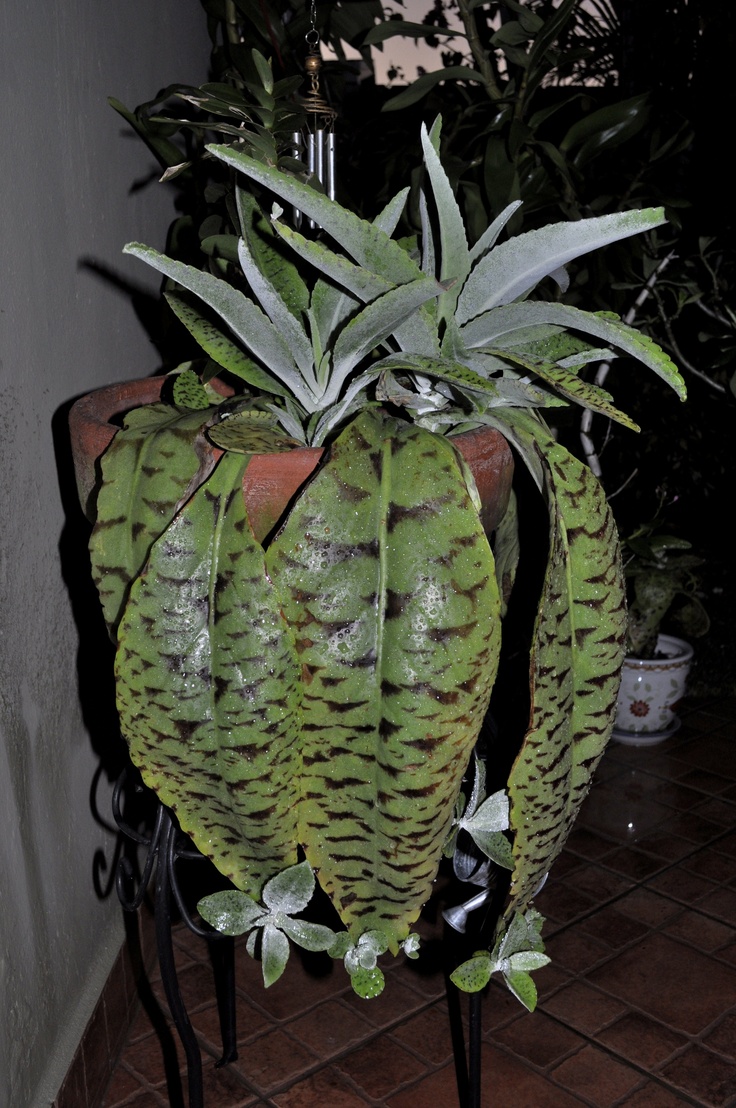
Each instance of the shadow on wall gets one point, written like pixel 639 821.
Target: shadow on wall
pixel 95 677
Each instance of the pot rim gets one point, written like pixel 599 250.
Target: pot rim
pixel 675 652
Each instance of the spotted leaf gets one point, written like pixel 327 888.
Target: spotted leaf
pixel 576 658
pixel 387 579
pixel 208 685
pixel 146 471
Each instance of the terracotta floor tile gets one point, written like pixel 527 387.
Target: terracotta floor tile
pixel 192 946
pixel 584 1008
pixel 146 1099
pixel 663 844
pixel 510 1082
pixel 598 883
pixel 564 865
pixel 123 1085
pixel 652 1095
pixel 677 795
pixel 327 1089
pixel 711 863
pixel 683 885
pixel 438 1090
pixel 692 827
pixel 728 953
pixel 721 903
pixel 549 979
pixel 723 1037
pixel 709 783
pixel 648 907
pixel 248 1023
pixel 560 902
pixel 196 983
pixel 613 928
pixel 699 931
pixel 717 810
pixel 150 1056
pixel 274 1059
pixel 726 845
pixel 225 1088
pixel 142 1024
pixel 715 754
pixel 295 992
pixel 704 1075
pixel 588 843
pixel 380 1068
pixel 623 818
pixel 642 1040
pixel 428 1034
pixel 330 1028
pixel 397 1001
pixel 425 974
pixel 596 1076
pixel 634 864
pixel 538 1038
pixel 673 983
pixel 576 951
pixel 500 1007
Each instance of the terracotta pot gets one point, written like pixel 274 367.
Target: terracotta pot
pixel 650 691
pixel 271 480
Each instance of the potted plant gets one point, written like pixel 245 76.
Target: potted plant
pixel 663 588
pixel 302 676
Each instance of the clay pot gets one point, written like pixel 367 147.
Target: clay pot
pixel 271 480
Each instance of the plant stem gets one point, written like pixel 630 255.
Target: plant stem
pixel 480 55
pixel 592 457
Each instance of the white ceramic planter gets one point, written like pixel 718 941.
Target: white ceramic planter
pixel 650 691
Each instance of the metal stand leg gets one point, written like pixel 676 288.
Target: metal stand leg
pixel 164 849
pixel 167 965
pixel 474 1037
pixel 223 964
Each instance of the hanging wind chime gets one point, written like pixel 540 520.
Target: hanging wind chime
pixel 315 144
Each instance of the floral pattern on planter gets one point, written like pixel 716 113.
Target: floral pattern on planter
pixel 651 689
pixel 639 708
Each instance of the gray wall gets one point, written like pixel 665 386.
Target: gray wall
pixel 65 187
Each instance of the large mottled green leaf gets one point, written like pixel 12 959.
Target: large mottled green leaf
pixel 208 685
pixel 576 658
pixel 388 581
pixel 251 431
pixel 146 471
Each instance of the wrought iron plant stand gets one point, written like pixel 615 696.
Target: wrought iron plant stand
pixel 165 846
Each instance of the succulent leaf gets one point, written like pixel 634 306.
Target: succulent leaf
pixel 221 349
pixel 248 323
pixel 488 329
pixel 513 268
pixel 363 241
